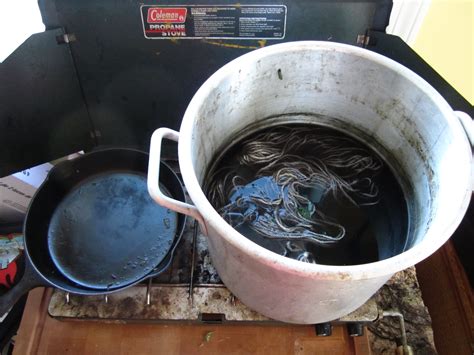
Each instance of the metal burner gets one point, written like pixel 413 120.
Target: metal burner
pixel 190 290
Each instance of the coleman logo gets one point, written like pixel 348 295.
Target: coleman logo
pixel 166 15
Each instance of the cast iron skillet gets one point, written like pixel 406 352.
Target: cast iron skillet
pixel 92 228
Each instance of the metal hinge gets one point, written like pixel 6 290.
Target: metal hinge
pixel 95 134
pixel 363 40
pixel 66 38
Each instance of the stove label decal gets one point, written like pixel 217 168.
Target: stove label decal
pixel 166 15
pixel 214 22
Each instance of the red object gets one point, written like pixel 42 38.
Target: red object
pixel 166 15
pixel 7 276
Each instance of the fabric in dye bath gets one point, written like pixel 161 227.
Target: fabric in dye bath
pixel 311 193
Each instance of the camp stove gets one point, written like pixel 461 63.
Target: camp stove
pixel 111 81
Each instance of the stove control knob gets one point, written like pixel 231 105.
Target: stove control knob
pixel 355 329
pixel 323 329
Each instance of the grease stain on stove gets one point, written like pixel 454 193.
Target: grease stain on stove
pixel 165 301
pixel 169 293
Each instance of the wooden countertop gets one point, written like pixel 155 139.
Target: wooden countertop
pixel 41 334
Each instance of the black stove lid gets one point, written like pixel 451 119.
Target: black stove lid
pixel 111 86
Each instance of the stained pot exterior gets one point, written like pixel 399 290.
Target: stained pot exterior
pixel 347 88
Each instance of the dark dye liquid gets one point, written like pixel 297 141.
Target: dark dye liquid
pixel 372 232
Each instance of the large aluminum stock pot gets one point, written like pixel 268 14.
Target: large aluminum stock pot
pixel 348 88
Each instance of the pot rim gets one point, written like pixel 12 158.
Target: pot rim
pixel 432 240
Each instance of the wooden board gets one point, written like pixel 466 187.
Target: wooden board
pixel 449 298
pixel 41 334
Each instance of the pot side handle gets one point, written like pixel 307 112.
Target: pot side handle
pixel 468 124
pixel 154 178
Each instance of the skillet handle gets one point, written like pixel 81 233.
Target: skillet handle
pixel 154 178
pixel 30 280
